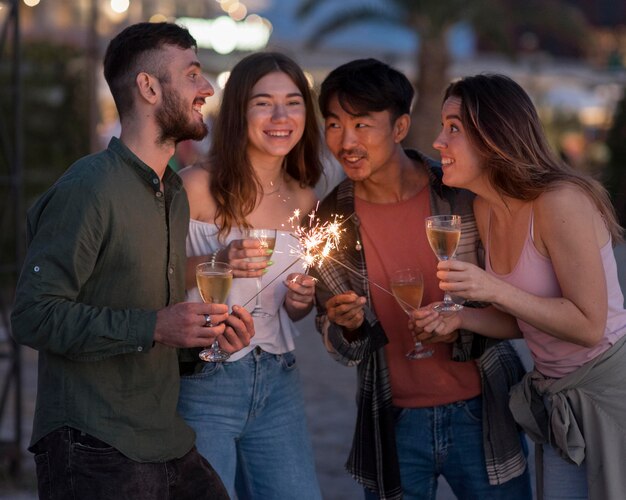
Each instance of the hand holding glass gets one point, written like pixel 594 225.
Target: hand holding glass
pixel 407 286
pixel 214 280
pixel 267 240
pixel 443 233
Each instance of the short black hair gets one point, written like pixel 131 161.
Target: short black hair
pixel 365 85
pixel 126 56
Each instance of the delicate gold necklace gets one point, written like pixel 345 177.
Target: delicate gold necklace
pixel 278 184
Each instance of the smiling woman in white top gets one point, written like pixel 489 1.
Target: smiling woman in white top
pixel 248 412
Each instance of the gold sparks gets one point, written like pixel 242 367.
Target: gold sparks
pixel 316 239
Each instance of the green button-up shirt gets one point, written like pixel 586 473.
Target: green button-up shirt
pixel 106 251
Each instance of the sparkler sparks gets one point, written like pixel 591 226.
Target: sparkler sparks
pixel 315 243
pixel 317 239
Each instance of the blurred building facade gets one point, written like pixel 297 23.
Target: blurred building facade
pixel 566 90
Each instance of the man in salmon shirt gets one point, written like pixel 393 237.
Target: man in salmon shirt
pixel 446 413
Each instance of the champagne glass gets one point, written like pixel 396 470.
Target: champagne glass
pixel 443 233
pixel 267 239
pixel 407 286
pixel 214 280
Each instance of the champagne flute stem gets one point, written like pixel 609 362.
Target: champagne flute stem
pixel 257 304
pixel 270 282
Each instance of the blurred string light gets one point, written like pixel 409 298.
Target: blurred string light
pixel 224 35
pixel 234 8
pixel 238 11
pixel 31 3
pixel 120 6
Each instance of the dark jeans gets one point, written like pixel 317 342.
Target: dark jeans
pixel 73 465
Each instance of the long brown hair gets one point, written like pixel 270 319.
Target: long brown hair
pixel 234 185
pixel 502 124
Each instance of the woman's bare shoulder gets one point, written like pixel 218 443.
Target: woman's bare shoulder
pixel 566 197
pixel 196 180
pixel 568 211
pixel 194 174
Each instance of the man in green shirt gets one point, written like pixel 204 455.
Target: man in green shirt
pixel 102 289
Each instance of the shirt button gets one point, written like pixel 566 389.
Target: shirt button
pixel 171 270
pixel 140 348
pixel 36 269
pixel 155 181
pixel 159 194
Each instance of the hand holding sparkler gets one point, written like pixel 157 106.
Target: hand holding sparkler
pixel 346 310
pixel 300 295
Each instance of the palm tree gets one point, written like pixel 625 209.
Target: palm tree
pixel 498 24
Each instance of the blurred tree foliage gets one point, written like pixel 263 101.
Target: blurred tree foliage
pixel 55 131
pixel 55 121
pixel 616 169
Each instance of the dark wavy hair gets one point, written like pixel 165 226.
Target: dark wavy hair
pixel 234 185
pixel 503 126
pixel 135 49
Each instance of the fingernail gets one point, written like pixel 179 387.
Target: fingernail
pixel 265 271
pixel 270 262
pixel 269 251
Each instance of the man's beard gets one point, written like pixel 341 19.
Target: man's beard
pixel 173 120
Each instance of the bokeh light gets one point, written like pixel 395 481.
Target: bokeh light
pixel 222 78
pixel 222 36
pixel 120 6
pixel 238 11
pixel 158 18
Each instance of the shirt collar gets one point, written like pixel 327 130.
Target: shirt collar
pixel 170 178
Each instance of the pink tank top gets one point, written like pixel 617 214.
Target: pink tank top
pixel 534 273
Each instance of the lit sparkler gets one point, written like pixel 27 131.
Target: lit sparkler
pixel 319 239
pixel 315 242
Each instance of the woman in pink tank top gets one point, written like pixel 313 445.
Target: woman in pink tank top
pixel 550 277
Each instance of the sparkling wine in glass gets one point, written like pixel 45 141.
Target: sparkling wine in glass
pixel 267 239
pixel 443 233
pixel 214 280
pixel 407 286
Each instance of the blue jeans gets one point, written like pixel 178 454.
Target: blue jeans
pixel 73 465
pixel 562 480
pixel 448 440
pixel 250 424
